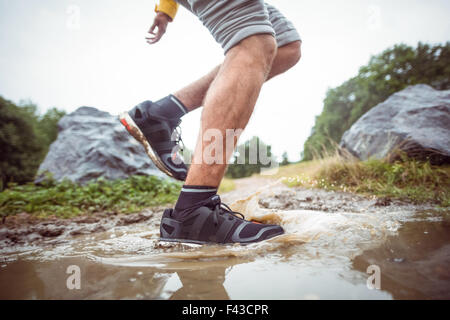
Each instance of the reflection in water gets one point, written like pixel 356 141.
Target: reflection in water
pixel 203 284
pixel 19 280
pixel 25 279
pixel 415 263
pixel 197 279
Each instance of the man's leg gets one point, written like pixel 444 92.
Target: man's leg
pixel 250 33
pixel 230 101
pixel 194 94
pixel 199 215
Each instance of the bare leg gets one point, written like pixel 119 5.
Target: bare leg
pixel 287 57
pixel 230 101
pixel 194 94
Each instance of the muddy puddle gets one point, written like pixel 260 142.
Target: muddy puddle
pixel 331 240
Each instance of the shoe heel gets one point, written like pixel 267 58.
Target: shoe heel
pixel 129 124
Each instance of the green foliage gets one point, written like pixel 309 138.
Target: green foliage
pixel 47 126
pixel 21 150
pixel 24 139
pixel 250 158
pixel 411 180
pixel 387 73
pixel 67 199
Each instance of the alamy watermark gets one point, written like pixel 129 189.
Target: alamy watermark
pixel 374 20
pixel 73 21
pixel 73 282
pixel 219 148
pixel 374 281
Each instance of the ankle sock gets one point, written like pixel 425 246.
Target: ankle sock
pixel 189 197
pixel 169 107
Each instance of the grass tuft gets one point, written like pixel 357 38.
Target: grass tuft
pixel 67 199
pixel 405 179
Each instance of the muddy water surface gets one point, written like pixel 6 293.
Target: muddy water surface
pixel 331 239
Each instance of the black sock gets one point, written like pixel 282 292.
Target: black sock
pixel 169 107
pixel 189 197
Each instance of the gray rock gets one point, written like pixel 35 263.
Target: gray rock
pixel 93 144
pixel 415 120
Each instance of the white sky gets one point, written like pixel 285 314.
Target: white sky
pixel 105 62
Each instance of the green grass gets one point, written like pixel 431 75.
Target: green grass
pixel 408 179
pixel 67 199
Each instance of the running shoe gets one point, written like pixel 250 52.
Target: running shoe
pixel 160 136
pixel 213 222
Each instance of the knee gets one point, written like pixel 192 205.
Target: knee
pixel 268 50
pixel 294 52
pixel 258 50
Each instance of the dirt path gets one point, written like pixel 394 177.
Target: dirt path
pixel 277 196
pixel 246 187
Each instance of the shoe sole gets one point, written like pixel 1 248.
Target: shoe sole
pixel 134 130
pixel 214 243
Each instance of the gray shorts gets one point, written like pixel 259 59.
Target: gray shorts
pixel 231 21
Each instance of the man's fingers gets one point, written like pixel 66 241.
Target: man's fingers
pixel 152 40
pixel 156 36
pixel 152 28
pixel 159 35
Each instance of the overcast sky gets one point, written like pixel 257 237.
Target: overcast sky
pixel 93 53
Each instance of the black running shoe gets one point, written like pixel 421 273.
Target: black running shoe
pixel 215 223
pixel 157 133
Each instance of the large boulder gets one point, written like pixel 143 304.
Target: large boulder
pixel 415 120
pixel 93 144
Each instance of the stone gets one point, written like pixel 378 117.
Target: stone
pixel 93 144
pixel 415 120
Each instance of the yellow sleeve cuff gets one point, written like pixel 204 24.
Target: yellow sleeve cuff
pixel 169 7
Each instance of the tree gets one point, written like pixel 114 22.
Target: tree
pixel 47 129
pixel 20 148
pixel 285 160
pixel 24 139
pixel 250 158
pixel 387 73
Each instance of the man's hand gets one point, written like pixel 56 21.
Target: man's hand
pixel 161 21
